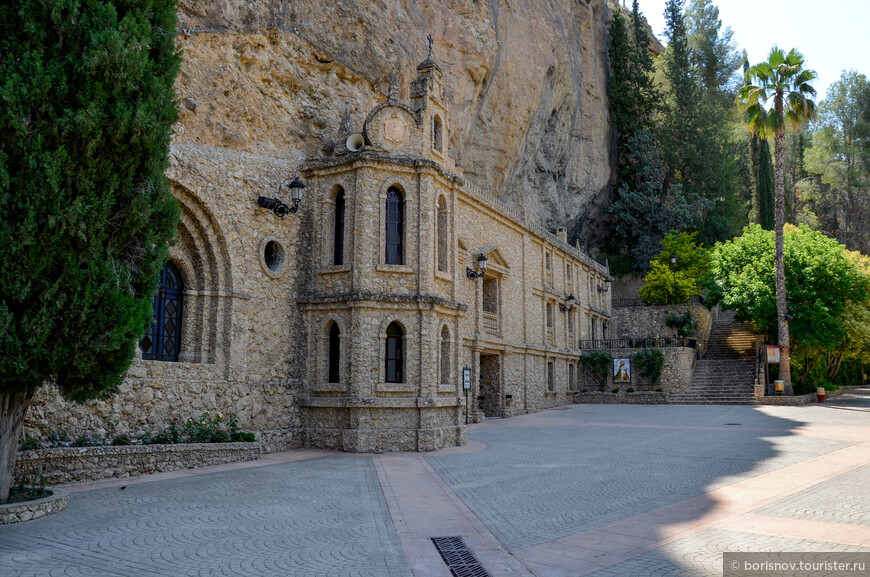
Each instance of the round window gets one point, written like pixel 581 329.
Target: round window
pixel 273 254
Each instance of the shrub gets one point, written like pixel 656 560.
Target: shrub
pixel 28 445
pixel 599 363
pixel 59 438
pixel 241 436
pixel 686 327
pixel 616 390
pixel 119 440
pixel 86 441
pixel 649 363
pixel 27 488
pixel 629 390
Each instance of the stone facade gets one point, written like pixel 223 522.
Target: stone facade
pixel 314 334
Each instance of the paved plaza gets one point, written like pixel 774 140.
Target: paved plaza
pixel 598 490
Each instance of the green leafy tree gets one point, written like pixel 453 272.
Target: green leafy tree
pixel 632 94
pixel 675 273
pixel 837 163
pixel 647 93
pixel 86 214
pixel 777 93
pixel 696 129
pixel 820 279
pixel 649 364
pixel 714 53
pixel 644 212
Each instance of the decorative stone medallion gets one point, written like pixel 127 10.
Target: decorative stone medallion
pixel 395 128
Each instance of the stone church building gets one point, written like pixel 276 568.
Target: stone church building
pixel 348 323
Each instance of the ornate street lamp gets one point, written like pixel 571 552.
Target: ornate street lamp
pixel 570 300
pixel 481 266
pixel 276 205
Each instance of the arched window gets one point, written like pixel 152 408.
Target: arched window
pixel 395 226
pixel 441 232
pixel 334 356
pixel 437 133
pixel 162 342
pixel 445 355
pixel 338 230
pixel 394 356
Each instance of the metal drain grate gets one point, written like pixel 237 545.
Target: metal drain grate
pixel 459 558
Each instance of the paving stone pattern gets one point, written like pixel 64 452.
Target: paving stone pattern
pixel 522 498
pixel 531 487
pixel 323 517
pixel 845 500
pixel 700 555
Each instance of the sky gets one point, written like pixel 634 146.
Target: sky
pixel 832 35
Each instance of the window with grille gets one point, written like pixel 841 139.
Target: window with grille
pixel 551 377
pixel 394 360
pixel 334 360
pixel 338 231
pixel 395 225
pixel 162 342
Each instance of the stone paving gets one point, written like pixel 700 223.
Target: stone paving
pixel 587 490
pixel 326 517
pixel 844 501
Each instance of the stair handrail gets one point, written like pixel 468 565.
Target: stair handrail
pixel 760 366
pixel 705 342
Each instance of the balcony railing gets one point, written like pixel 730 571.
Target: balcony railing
pixel 490 324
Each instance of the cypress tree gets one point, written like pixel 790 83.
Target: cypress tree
pixel 632 93
pixel 86 214
pixel 764 186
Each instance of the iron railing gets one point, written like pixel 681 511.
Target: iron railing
pixel 647 343
pixel 628 303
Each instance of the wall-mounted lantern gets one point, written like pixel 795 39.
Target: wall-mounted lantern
pixel 276 205
pixel 570 304
pixel 606 286
pixel 481 268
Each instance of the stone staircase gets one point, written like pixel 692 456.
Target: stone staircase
pixel 726 374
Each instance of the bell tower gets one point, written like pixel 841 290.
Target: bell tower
pixel 429 104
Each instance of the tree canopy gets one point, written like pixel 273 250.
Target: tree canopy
pixel 86 214
pixel 820 282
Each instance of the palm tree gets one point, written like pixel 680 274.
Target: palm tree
pixel 777 93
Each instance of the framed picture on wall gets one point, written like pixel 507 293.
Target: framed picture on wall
pixel 621 370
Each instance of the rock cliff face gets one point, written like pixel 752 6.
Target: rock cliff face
pixel 526 82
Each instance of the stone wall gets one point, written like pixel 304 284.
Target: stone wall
pixel 642 321
pixel 76 464
pixel 676 376
pixel 623 397
pixel 627 286
pixel 55 502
